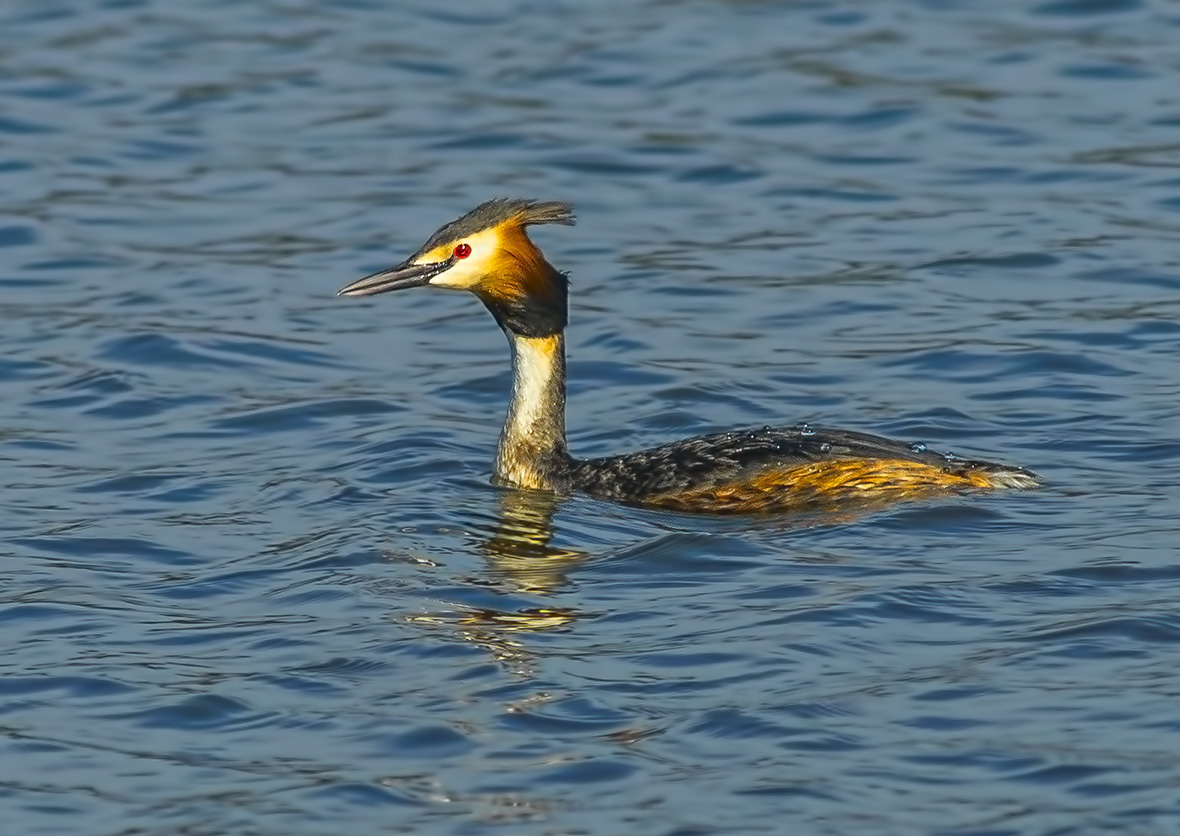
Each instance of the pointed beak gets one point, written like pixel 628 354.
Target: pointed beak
pixel 395 278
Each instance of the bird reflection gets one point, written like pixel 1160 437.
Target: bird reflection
pixel 519 550
pixel 520 560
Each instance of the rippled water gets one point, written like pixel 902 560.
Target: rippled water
pixel 256 578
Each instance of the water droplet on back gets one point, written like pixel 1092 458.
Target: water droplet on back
pixel 825 447
pixel 804 429
pixel 917 447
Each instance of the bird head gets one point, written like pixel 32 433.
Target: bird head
pixel 488 252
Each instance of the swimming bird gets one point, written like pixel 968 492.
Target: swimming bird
pixel 489 253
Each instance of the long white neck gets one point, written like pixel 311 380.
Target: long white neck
pixel 532 444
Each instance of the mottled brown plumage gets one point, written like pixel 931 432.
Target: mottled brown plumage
pixel 489 253
pixel 757 470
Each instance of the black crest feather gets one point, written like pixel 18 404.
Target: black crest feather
pixel 498 210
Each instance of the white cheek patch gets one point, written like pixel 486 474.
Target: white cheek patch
pixel 466 273
pixel 461 275
pixel 447 278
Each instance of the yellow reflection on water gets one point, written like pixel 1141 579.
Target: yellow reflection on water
pixel 519 556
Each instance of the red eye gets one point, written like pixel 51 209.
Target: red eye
pixel 462 251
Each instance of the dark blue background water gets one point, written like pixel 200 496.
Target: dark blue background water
pixel 256 580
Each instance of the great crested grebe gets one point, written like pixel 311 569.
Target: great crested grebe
pixel 488 253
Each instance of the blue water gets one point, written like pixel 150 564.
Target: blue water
pixel 257 582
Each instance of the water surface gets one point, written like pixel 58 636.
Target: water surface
pixel 257 580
